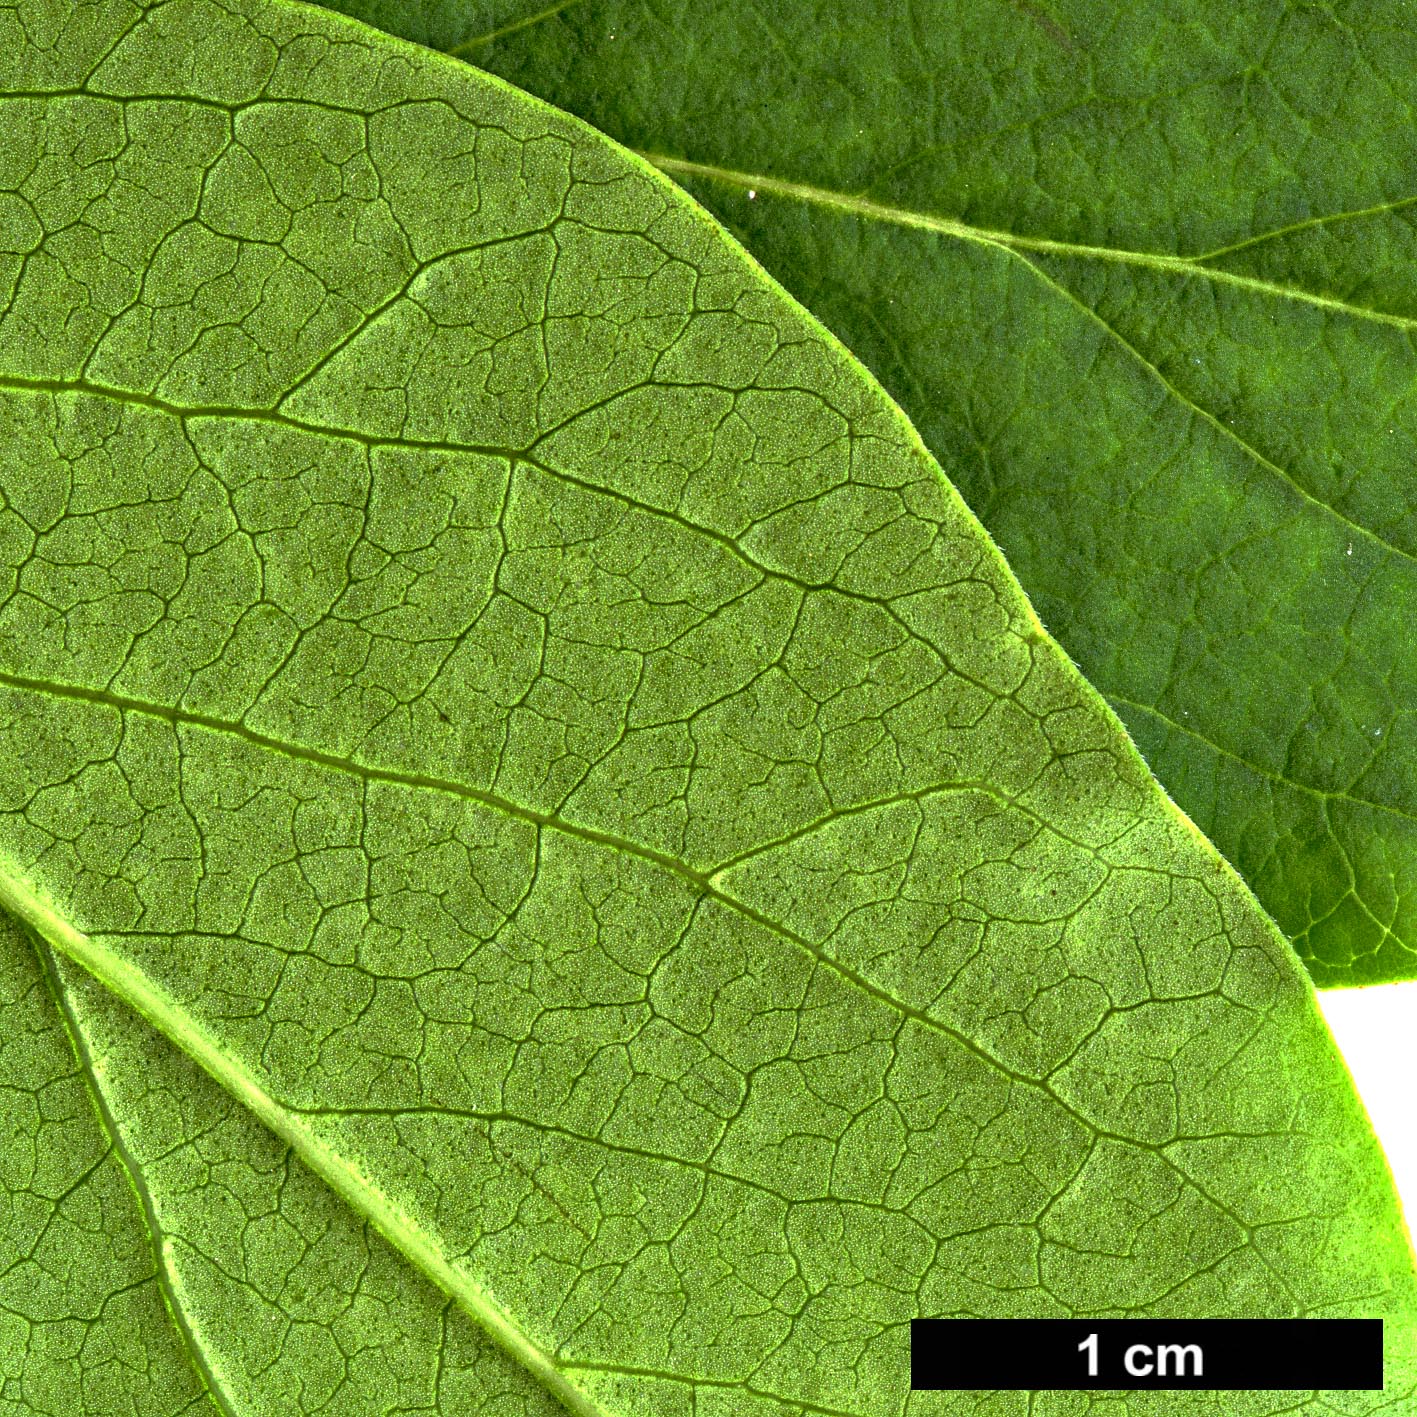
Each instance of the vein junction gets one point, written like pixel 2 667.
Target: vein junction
pixel 869 210
pixel 538 729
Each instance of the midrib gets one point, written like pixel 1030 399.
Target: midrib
pixel 869 210
pixel 357 1190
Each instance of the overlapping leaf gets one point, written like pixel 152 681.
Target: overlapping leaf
pixel 508 696
pixel 1143 277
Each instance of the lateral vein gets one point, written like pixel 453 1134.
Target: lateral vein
pixel 1277 777
pixel 705 884
pixel 162 1269
pixel 460 51
pixel 870 210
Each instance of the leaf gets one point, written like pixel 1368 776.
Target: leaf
pixel 187 1248
pixel 502 691
pixel 82 1322
pixel 1142 276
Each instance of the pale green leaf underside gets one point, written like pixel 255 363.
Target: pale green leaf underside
pixel 178 1259
pixel 507 696
pixel 1142 275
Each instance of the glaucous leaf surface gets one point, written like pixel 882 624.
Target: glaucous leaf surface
pixel 1143 276
pixel 506 693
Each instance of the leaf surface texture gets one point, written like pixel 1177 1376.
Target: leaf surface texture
pixel 177 1258
pixel 1142 277
pixel 508 696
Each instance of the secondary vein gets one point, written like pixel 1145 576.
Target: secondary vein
pixel 1151 711
pixel 1184 399
pixel 705 884
pixel 459 51
pixel 166 1280
pixel 870 210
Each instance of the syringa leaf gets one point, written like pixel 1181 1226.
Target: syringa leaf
pixel 503 692
pixel 1143 276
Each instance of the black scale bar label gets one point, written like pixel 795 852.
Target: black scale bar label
pixel 1228 1355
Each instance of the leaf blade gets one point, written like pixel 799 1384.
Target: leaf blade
pixel 1214 223
pixel 85 1305
pixel 396 744
pixel 177 1025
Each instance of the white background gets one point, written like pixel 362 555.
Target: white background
pixel 1376 1029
